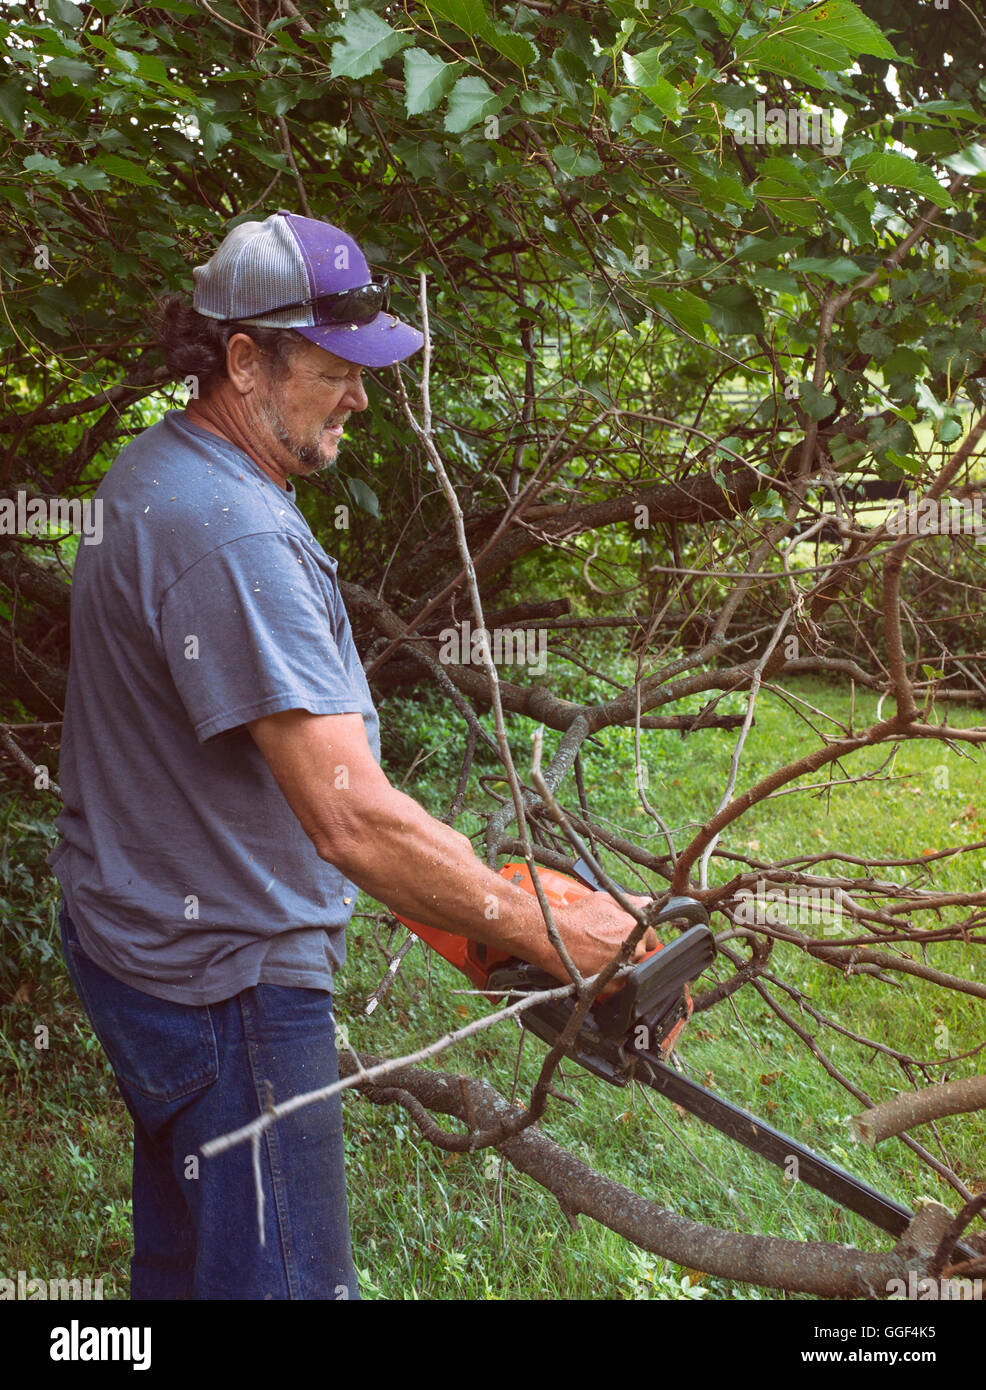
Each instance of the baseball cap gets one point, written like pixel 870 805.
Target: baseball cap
pixel 280 273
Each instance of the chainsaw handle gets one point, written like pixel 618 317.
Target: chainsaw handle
pixel 696 914
pixel 688 909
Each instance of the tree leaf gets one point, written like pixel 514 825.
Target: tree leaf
pixel 970 161
pixel 276 97
pixel 87 175
pixel 471 100
pixel 855 30
pixel 426 80
pixel 734 309
pixel 838 268
pixel 817 404
pixel 65 14
pixel 643 70
pixel 80 74
pixel 119 168
pixel 13 103
pixel 898 171
pixel 367 42
pixel 214 136
pixel 578 164
pixel 424 159
pixel 685 308
pixel 754 248
pixel 41 164
pixel 472 18
pixel 363 496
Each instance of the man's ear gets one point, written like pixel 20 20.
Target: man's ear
pixel 244 363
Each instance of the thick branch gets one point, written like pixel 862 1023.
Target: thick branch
pixel 828 1271
pixel 918 1107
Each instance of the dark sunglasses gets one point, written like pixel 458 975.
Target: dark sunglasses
pixel 356 306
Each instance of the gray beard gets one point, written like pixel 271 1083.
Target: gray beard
pixel 308 454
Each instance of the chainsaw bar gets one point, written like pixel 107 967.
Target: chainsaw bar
pixel 778 1148
pixel 601 1049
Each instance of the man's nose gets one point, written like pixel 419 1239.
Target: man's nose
pixel 356 396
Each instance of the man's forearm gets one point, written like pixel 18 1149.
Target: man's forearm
pixel 429 872
pixel 391 847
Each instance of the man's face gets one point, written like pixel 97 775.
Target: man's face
pixel 304 411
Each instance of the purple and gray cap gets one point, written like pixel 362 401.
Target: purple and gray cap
pixel 293 272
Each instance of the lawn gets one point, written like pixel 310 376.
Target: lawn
pixel 433 1225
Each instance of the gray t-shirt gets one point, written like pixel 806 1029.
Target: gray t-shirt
pixel 207 603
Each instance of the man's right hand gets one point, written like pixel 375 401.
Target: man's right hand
pixel 593 929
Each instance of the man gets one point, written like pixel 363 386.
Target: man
pixel 224 800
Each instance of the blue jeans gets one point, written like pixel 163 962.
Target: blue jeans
pixel 188 1073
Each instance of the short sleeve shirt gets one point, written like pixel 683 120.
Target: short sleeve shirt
pixel 207 603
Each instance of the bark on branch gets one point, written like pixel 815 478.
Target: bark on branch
pixel 913 1108
pixel 827 1271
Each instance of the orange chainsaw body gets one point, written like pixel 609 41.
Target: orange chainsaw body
pixel 476 960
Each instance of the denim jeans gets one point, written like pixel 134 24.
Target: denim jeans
pixel 188 1073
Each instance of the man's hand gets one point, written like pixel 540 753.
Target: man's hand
pixel 390 846
pixel 594 929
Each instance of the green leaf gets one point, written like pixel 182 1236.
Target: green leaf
pixel 520 51
pixel 426 80
pixel 643 70
pixel 13 103
pixel 845 203
pixel 569 76
pixel 363 496
pixel 77 73
pixel 536 103
pixel 817 404
pixel 897 171
pixel 65 14
pixel 214 136
pixel 578 164
pixel 472 18
pixel 87 175
pixel 799 54
pixel 855 30
pixel 970 161
pixel 367 42
pixel 776 281
pixel 471 101
pixel 768 503
pixel 276 97
pixel 734 309
pixel 839 268
pixel 754 248
pixel 424 159
pixel 685 308
pixel 119 168
pixel 41 164
pixel 904 462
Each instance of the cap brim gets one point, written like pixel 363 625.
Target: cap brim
pixel 378 344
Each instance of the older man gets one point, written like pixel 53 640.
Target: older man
pixel 224 800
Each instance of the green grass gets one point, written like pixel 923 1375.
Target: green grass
pixel 426 1224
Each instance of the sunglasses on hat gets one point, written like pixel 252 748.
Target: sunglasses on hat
pixel 356 307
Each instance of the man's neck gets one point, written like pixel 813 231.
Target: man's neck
pixel 212 415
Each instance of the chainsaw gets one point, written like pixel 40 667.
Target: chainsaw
pixel 631 1036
